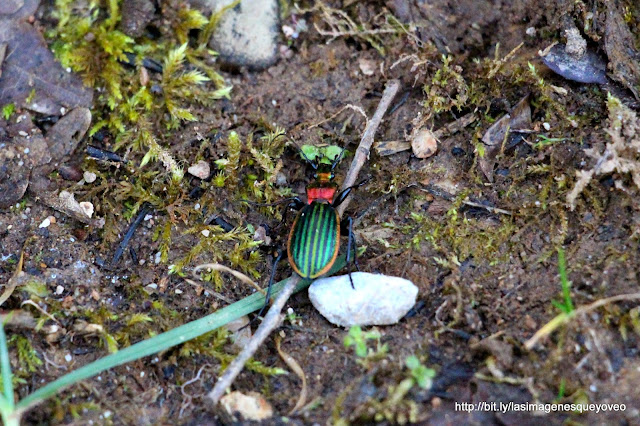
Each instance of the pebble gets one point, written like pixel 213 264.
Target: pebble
pixel 200 170
pixel 251 406
pixel 246 35
pixel 45 223
pixel 424 144
pixel 89 177
pixel 376 300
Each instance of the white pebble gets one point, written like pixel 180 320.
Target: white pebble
pixel 59 290
pixel 546 126
pixel 178 291
pixel 26 150
pixel 201 169
pixel 157 258
pixel 89 177
pixel 205 232
pixel 68 357
pixel 45 223
pixel 23 133
pixel 87 208
pixel 376 300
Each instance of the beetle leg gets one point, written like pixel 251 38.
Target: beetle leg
pixel 350 239
pixel 271 278
pixel 342 195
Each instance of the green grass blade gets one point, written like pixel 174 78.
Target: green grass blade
pixel 162 341
pixel 5 364
pixel 564 281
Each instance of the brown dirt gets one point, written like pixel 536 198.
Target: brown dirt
pixel 504 283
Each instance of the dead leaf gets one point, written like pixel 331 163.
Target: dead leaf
pixel 30 66
pixel 496 137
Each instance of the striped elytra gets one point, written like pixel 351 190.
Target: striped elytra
pixel 314 240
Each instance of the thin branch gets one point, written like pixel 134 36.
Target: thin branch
pixel 362 153
pixel 271 321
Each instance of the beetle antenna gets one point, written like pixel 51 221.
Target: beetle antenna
pixel 338 158
pixel 313 164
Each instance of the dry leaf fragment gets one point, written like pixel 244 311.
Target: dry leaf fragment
pixel 295 367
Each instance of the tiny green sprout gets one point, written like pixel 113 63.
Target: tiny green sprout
pixel 567 305
pixel 322 154
pixel 8 110
pixel 545 141
pixel 422 375
pixel 358 339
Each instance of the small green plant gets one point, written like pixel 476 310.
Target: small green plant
pixel 8 110
pixel 323 154
pixel 358 339
pixel 566 305
pixel 544 141
pixel 421 375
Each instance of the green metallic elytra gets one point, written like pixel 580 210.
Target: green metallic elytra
pixel 314 240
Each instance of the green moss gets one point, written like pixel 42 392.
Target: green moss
pixel 28 359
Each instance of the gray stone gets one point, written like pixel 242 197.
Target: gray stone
pixel 246 35
pixel 376 300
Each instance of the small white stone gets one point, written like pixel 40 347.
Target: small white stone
pixel 87 208
pixel 26 150
pixel 531 31
pixel 424 143
pixel 89 177
pixel 546 126
pixel 376 300
pixel 68 357
pixel 45 223
pixel 157 258
pixel 178 291
pixel 367 66
pixel 205 232
pixel 59 290
pixel 23 133
pixel 200 170
pixel 153 286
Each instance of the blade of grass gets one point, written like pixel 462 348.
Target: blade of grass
pixel 162 341
pixel 5 364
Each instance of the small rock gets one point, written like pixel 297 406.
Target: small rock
pixel 376 300
pixel 367 66
pixel 531 32
pixel 70 173
pixel 247 35
pixel 424 144
pixel 87 208
pixel 589 68
pixel 252 406
pixel 45 223
pixel 200 170
pixel 89 177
